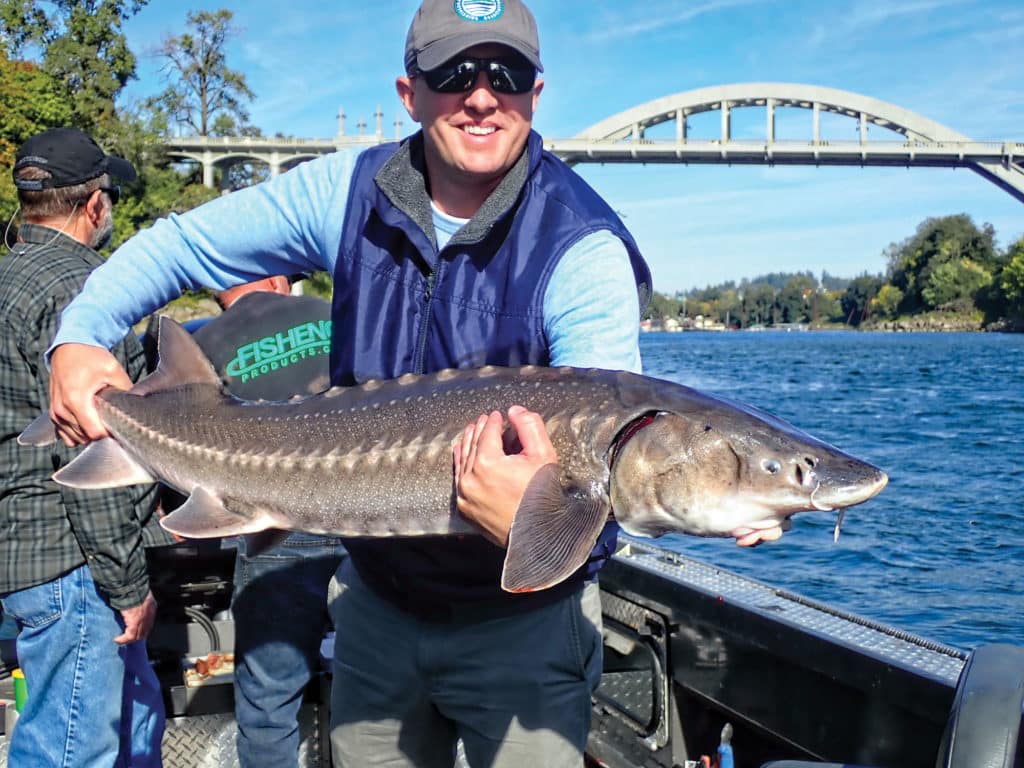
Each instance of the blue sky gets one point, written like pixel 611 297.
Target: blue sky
pixel 956 62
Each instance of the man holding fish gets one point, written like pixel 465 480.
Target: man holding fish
pixel 462 246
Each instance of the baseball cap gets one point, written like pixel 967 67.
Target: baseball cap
pixel 71 157
pixel 442 29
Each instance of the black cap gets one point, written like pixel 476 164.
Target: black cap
pixel 71 157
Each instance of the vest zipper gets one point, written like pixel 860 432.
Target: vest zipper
pixel 428 299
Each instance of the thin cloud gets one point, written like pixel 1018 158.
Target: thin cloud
pixel 871 14
pixel 851 29
pixel 654 21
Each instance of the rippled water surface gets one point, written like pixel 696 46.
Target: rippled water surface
pixel 940 551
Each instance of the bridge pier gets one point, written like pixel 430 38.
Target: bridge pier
pixel 208 166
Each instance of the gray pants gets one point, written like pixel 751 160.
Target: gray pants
pixel 516 690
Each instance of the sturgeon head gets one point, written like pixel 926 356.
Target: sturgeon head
pixel 711 467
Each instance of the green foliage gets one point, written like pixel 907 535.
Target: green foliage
pixel 203 89
pixel 1012 279
pixel 954 284
pixel 319 284
pixel 794 300
pixel 938 241
pixel 79 43
pixel 89 54
pixel 244 173
pixel 160 188
pixel 662 306
pixel 857 300
pixel 30 101
pixel 888 301
pixel 22 24
pixel 759 304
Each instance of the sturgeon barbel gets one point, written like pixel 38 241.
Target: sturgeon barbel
pixel 376 459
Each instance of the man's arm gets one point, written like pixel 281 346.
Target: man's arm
pixel 289 224
pixel 591 307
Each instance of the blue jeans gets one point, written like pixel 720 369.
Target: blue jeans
pixel 91 702
pixel 280 612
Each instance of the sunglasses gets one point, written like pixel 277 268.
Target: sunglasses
pixel 506 75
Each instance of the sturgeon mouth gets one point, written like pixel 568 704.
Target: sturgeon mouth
pixel 766 530
pixel 816 504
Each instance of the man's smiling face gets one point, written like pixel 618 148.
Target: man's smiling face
pixel 472 138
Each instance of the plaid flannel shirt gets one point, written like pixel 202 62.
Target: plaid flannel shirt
pixel 46 529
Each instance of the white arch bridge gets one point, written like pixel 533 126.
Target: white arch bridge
pixel 908 139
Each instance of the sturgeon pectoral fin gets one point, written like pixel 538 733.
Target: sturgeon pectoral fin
pixel 204 516
pixel 103 464
pixel 552 535
pixel 39 433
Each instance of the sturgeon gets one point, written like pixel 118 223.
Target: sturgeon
pixel 376 459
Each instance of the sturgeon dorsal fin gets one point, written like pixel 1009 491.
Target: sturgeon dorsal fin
pixel 181 361
pixel 552 534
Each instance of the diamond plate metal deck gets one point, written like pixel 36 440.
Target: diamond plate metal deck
pixel 892 645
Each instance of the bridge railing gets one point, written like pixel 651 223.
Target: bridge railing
pixel 910 151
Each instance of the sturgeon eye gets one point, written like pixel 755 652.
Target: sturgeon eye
pixel 771 466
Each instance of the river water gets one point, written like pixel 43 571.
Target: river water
pixel 940 552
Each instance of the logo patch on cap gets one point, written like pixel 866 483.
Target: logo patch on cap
pixel 479 10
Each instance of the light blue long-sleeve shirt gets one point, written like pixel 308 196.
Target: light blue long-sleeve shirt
pixel 293 223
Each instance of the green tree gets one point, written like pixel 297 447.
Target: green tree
pixel 89 54
pixel 1012 279
pixel 22 23
pixel 81 45
pixel 794 299
pixel 759 303
pixel 888 301
pixel 729 308
pixel 954 284
pixel 202 87
pixel 244 173
pixel 660 307
pixel 936 242
pixel 30 101
pixel 857 300
pixel 161 187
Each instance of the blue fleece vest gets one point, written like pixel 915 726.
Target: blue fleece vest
pixel 401 306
